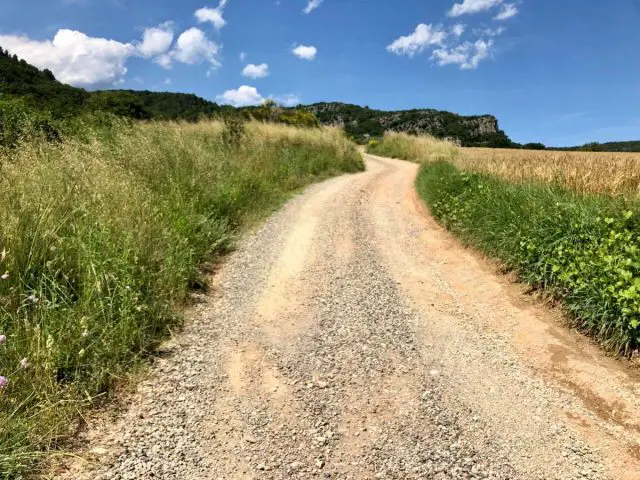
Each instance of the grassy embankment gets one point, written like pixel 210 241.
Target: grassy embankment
pixel 101 240
pixel 565 222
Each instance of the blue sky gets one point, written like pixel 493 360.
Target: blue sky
pixel 561 72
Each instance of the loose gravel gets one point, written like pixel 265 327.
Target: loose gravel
pixel 308 360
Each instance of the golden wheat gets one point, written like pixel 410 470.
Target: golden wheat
pixel 586 172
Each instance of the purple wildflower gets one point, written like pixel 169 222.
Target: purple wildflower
pixel 4 381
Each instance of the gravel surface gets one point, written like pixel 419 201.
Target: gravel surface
pixel 318 355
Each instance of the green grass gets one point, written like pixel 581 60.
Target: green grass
pixel 582 249
pixel 104 236
pixel 416 148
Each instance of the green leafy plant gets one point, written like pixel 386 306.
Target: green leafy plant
pixel 582 249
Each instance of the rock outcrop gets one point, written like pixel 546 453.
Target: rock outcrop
pixel 481 130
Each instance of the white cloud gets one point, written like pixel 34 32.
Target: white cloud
pixel 156 40
pixel 472 6
pixel 312 5
pixel 193 47
pixel 242 56
pixel 74 57
pixel 507 11
pixel 490 32
pixel 305 52
pixel 288 100
pixel 164 60
pixel 468 55
pixel 212 15
pixel 241 97
pixel 424 36
pixel 458 29
pixel 256 71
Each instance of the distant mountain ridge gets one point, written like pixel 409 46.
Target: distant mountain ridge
pixel 40 90
pixel 477 130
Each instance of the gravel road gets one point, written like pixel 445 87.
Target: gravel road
pixel 350 337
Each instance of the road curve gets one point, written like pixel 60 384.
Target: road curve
pixel 352 338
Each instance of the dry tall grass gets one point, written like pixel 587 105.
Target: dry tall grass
pixel 585 172
pixel 101 238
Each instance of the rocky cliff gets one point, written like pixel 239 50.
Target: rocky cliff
pixel 359 122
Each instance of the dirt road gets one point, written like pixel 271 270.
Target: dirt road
pixel 352 338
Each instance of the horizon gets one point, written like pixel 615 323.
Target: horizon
pixel 515 60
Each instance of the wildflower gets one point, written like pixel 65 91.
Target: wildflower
pixel 32 299
pixel 4 276
pixel 24 363
pixel 3 254
pixel 4 381
pixel 3 339
pixel 85 333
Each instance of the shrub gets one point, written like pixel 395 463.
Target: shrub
pixel 19 123
pixel 233 132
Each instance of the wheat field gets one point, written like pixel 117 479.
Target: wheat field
pixel 586 172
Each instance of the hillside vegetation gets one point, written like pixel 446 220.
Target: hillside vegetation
pixel 567 223
pixel 101 238
pixel 359 122
pixel 39 90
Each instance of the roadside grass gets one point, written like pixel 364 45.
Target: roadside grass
pixel 423 148
pixel 101 238
pixel 565 227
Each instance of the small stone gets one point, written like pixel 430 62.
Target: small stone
pixel 319 463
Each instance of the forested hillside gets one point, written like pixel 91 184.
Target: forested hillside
pixel 41 90
pixel 359 121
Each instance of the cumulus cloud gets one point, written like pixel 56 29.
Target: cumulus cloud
pixel 212 15
pixel 458 29
pixel 74 57
pixel 467 55
pixel 193 47
pixel 305 52
pixel 165 60
pixel 156 40
pixel 424 36
pixel 241 97
pixel 507 11
pixel 256 71
pixel 472 6
pixel 312 5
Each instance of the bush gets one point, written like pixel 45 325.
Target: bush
pixel 19 123
pixel 233 132
pixel 581 249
